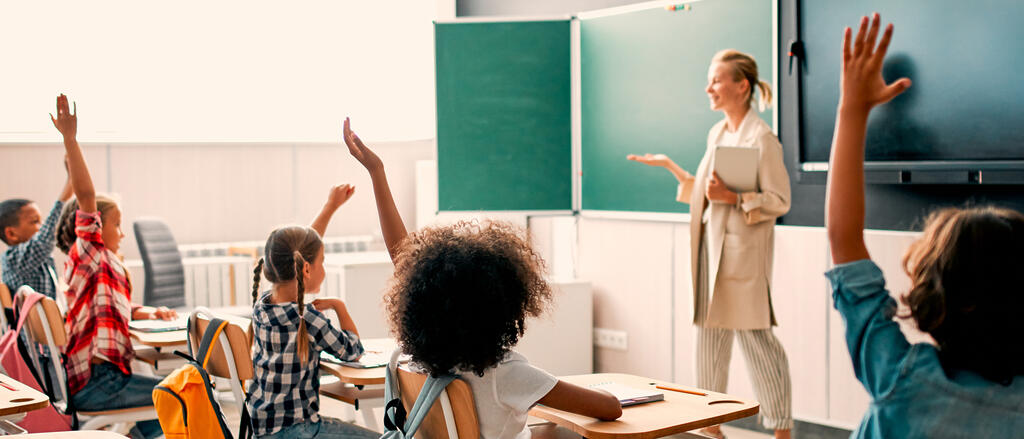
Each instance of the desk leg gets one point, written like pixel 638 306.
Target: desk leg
pixel 10 428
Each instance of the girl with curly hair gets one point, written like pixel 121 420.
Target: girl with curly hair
pixel 459 301
pixel 966 272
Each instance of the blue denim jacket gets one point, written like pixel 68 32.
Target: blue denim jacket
pixel 911 394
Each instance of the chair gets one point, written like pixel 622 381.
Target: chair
pixel 46 326
pixel 161 261
pixel 5 304
pixel 453 414
pixel 237 367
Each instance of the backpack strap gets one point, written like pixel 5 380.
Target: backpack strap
pixel 213 330
pixel 395 416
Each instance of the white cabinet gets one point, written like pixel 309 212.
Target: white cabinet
pixel 561 340
pixel 360 279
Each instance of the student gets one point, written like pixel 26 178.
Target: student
pixel 966 272
pixel 99 350
pixel 27 260
pixel 459 301
pixel 289 334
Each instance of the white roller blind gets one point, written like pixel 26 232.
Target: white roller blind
pixel 146 71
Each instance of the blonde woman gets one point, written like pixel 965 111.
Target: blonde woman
pixel 732 236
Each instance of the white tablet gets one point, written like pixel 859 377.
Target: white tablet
pixel 737 167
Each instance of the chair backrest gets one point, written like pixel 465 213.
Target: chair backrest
pixel 237 341
pixel 54 321
pixel 434 425
pixel 5 296
pixel 161 260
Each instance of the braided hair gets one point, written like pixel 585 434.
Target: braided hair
pixel 285 256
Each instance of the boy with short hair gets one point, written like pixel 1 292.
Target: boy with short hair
pixel 30 241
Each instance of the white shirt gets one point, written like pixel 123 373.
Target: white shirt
pixel 731 138
pixel 505 394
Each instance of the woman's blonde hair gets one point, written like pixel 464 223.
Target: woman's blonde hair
pixel 286 253
pixel 745 68
pixel 66 224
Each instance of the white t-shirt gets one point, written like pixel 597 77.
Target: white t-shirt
pixel 505 394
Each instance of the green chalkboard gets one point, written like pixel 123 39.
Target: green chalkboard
pixel 643 79
pixel 503 115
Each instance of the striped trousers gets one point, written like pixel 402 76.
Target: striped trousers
pixel 766 362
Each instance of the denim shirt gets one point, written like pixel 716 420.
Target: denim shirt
pixel 911 395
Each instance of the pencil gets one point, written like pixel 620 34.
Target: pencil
pixel 8 386
pixel 681 390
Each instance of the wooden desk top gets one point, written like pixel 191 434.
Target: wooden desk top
pixel 179 338
pixel 160 339
pixel 363 377
pixel 679 411
pixel 20 400
pixel 81 434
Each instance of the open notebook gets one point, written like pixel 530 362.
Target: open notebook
pixel 177 324
pixel 370 359
pixel 630 395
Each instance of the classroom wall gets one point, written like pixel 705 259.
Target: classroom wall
pixel 471 8
pixel 221 192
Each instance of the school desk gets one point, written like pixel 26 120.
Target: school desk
pixel 363 377
pixel 679 412
pixel 16 398
pixel 82 434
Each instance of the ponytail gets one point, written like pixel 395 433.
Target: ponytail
pixel 256 282
pixel 302 341
pixel 765 100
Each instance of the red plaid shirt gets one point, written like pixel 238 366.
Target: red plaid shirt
pixel 99 301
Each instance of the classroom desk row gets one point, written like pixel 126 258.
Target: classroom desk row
pixel 684 408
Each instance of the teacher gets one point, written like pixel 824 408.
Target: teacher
pixel 732 238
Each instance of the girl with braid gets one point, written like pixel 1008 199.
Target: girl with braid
pixel 289 334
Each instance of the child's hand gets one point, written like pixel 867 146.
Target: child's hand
pixel 861 83
pixel 661 160
pixel 339 194
pixel 326 303
pixel 66 121
pixel 358 150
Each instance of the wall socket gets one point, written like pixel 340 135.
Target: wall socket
pixel 611 339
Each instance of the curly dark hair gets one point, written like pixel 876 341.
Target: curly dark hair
pixel 966 273
pixel 461 294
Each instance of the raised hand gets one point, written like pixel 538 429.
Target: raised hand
pixel 660 160
pixel 339 194
pixel 66 121
pixel 861 82
pixel 358 150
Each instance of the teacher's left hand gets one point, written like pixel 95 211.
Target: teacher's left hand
pixel 717 192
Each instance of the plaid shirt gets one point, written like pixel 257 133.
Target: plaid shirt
pixel 285 390
pixel 29 263
pixel 99 304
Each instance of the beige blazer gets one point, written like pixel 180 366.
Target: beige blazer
pixel 742 237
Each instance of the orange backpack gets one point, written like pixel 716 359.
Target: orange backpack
pixel 184 399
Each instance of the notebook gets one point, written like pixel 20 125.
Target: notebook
pixel 177 324
pixel 630 395
pixel 737 167
pixel 369 360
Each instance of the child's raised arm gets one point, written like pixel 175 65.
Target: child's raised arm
pixel 861 88
pixel 67 123
pixel 338 195
pixel 391 225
